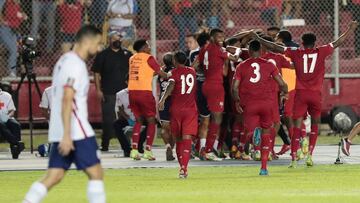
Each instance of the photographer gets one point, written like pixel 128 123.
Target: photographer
pixel 11 17
pixel 110 68
pixel 10 129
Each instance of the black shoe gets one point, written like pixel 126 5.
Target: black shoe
pixel 141 150
pixel 104 149
pixel 169 154
pixel 127 154
pixel 17 149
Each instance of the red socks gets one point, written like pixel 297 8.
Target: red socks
pixel 136 135
pixel 313 137
pixel 150 135
pixel 295 142
pixel 265 149
pixel 303 130
pixel 235 133
pixel 183 150
pixel 211 137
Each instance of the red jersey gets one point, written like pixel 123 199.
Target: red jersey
pixel 71 17
pixel 309 66
pixel 255 76
pixel 212 59
pixel 232 66
pixel 279 61
pixel 183 97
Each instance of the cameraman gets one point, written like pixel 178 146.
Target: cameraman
pixel 110 68
pixel 11 17
pixel 10 129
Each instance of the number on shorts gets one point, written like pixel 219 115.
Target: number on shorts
pixel 206 60
pixel 187 83
pixel 256 72
pixel 313 62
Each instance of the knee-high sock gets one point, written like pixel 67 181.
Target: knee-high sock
pixel 235 133
pixel 150 135
pixel 211 137
pixel 179 149
pixel 96 191
pixel 136 135
pixel 186 149
pixel 295 142
pixel 313 137
pixel 36 193
pixel 265 149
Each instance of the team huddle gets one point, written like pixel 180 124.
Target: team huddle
pixel 241 83
pixel 236 82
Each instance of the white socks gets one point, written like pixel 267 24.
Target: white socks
pixel 216 143
pixel 202 142
pixel 36 193
pixel 96 191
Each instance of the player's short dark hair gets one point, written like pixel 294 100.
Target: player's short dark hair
pixel 254 45
pixel 268 38
pixel 168 59
pixel 180 57
pixel 139 44
pixel 285 35
pixel 273 28
pixel 214 31
pixel 308 39
pixel 87 31
pixel 202 38
pixel 231 41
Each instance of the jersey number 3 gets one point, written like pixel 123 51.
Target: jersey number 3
pixel 256 72
pixel 313 62
pixel 187 83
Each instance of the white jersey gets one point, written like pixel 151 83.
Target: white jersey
pixel 70 70
pixel 6 103
pixel 122 99
pixel 46 98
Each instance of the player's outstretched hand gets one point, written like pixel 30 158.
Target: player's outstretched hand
pixel 353 25
pixel 161 105
pixel 66 146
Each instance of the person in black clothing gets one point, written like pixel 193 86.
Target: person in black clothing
pixel 110 68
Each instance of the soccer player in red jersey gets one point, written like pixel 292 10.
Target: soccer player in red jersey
pixel 309 65
pixel 254 96
pixel 183 111
pixel 279 61
pixel 213 58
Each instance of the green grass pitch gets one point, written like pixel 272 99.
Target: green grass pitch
pixel 322 183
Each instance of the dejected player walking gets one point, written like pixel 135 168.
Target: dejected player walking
pixel 183 111
pixel 72 137
pixel 309 65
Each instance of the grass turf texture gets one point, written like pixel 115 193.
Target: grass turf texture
pixel 322 183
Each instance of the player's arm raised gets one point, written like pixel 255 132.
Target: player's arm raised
pixel 66 144
pixel 157 68
pixel 352 27
pixel 270 45
pixel 168 91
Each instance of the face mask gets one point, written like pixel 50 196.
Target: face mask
pixel 116 44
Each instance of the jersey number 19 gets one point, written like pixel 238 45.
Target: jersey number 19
pixel 187 83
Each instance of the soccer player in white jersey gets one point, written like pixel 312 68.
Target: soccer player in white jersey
pixel 45 103
pixel 73 139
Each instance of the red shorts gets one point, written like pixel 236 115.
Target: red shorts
pixel 307 101
pixel 289 104
pixel 184 123
pixel 215 96
pixel 258 114
pixel 275 108
pixel 142 103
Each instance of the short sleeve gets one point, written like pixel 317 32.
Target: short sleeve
pixel 44 103
pixel 72 74
pixel 285 62
pixel 154 64
pixel 223 54
pixel 98 63
pixel 326 50
pixel 10 105
pixel 291 52
pixel 274 70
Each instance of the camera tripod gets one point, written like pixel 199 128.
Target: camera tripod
pixel 31 77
